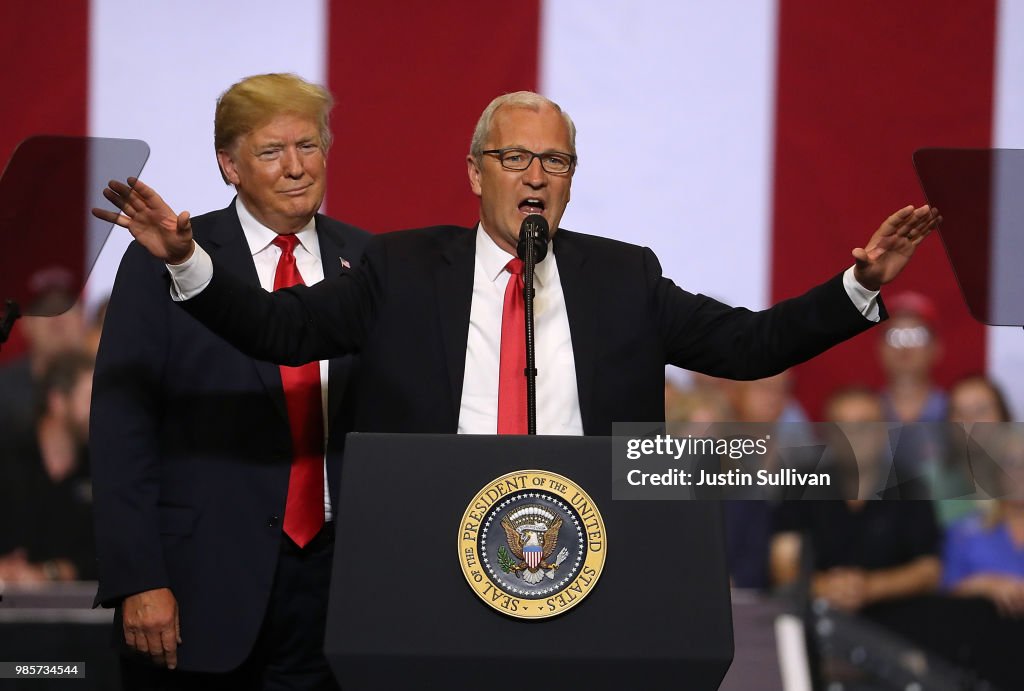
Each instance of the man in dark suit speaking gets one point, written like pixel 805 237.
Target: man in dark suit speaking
pixel 426 308
pixel 214 472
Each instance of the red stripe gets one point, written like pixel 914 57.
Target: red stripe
pixel 44 47
pixel 410 80
pixel 860 86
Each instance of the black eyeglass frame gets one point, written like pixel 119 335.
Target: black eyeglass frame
pixel 500 153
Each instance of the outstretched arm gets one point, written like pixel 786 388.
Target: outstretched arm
pixel 165 234
pixel 292 326
pixel 892 245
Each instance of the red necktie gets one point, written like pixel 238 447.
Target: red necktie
pixel 304 510
pixel 512 365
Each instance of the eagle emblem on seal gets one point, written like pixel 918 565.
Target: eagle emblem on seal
pixel 532 534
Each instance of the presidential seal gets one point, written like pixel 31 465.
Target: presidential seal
pixel 532 544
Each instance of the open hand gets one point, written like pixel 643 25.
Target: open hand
pixel 892 245
pixel 167 236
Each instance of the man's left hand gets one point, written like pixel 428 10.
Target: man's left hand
pixel 892 245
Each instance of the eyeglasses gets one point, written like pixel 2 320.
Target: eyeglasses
pixel 554 162
pixel 908 337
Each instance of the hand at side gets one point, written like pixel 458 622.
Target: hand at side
pixel 151 625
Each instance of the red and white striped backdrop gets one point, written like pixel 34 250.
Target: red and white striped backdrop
pixel 751 143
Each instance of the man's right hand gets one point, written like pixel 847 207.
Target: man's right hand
pixel 167 236
pixel 151 625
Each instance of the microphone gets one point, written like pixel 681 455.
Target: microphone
pixel 531 248
pixel 535 226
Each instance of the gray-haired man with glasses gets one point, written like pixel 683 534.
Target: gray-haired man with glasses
pixel 425 309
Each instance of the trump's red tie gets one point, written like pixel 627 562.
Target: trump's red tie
pixel 512 363
pixel 304 510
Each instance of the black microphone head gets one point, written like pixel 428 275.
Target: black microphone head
pixel 536 226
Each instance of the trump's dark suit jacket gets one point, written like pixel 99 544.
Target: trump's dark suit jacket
pixel 407 311
pixel 191 449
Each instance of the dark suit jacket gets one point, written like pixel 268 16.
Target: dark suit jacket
pixel 191 449
pixel 407 311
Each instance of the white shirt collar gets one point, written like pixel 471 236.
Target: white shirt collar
pixel 259 237
pixel 493 258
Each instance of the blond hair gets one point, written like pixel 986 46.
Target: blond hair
pixel 256 100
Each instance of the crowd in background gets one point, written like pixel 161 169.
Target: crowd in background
pixel 945 572
pixel 886 560
pixel 46 531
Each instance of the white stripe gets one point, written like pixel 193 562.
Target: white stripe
pixel 674 103
pixel 791 644
pixel 155 72
pixel 1006 344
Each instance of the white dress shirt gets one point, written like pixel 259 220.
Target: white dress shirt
pixel 558 402
pixel 265 255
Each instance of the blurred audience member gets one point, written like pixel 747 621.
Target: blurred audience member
pixel 45 490
pixel 972 399
pixel 771 400
pixel 45 337
pixel 91 343
pixel 909 349
pixel 977 399
pixel 863 552
pixel 705 382
pixel 984 557
pixel 763 400
pixel 748 522
pixel 673 391
pixel 984 554
pixel 697 406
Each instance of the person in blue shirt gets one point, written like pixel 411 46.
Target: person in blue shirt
pixel 984 552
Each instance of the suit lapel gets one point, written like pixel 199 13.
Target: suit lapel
pixel 454 278
pixel 584 320
pixel 227 244
pixel 332 251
